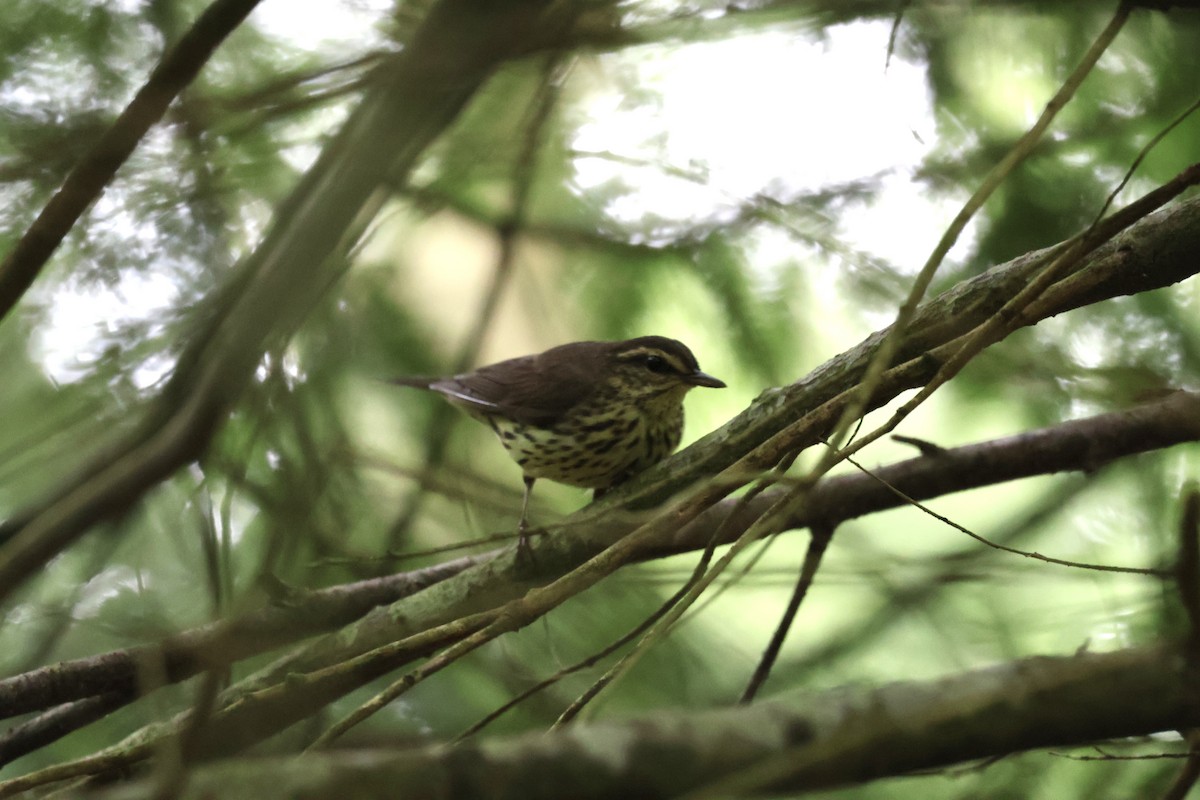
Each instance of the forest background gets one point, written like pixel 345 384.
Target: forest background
pixel 226 540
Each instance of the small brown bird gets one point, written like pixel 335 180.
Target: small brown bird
pixel 587 414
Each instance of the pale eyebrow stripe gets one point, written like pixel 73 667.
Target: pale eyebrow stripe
pixel 641 352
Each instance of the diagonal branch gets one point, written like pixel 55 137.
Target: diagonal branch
pixel 87 180
pixel 1155 252
pixel 416 95
pixel 1080 445
pixel 215 645
pixel 821 534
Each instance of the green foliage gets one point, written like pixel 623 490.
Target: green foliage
pixel 321 469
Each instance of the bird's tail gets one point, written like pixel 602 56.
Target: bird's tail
pixel 414 381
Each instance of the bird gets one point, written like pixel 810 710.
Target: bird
pixel 589 414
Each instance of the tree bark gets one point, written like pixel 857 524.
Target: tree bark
pixel 794 744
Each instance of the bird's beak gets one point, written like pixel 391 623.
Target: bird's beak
pixel 699 378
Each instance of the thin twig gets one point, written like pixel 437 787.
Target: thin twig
pixel 1189 774
pixel 894 33
pixel 1111 757
pixel 1141 156
pixel 882 358
pixel 1157 573
pixel 599 656
pixel 652 634
pixel 821 535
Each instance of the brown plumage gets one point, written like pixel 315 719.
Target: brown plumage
pixel 587 414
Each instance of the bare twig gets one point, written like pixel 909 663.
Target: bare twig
pixel 638 630
pixel 178 67
pixel 1141 156
pixel 1189 774
pixel 1113 757
pixel 882 358
pixel 924 509
pixel 821 535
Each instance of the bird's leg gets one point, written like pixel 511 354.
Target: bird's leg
pixel 523 525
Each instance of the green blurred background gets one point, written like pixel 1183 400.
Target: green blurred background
pixel 761 184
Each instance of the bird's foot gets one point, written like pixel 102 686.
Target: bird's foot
pixel 524 548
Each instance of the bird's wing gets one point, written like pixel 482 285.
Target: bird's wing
pixel 528 390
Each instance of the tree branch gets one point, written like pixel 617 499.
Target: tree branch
pixel 1083 445
pixel 1155 252
pixel 179 66
pixel 1080 445
pixel 215 645
pixel 417 94
pixel 793 745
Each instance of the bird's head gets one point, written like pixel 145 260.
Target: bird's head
pixel 650 368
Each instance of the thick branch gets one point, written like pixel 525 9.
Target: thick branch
pixel 1169 422
pixel 1158 251
pixel 1080 445
pixel 215 645
pixel 840 737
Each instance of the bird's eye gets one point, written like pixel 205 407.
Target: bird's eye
pixel 657 364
